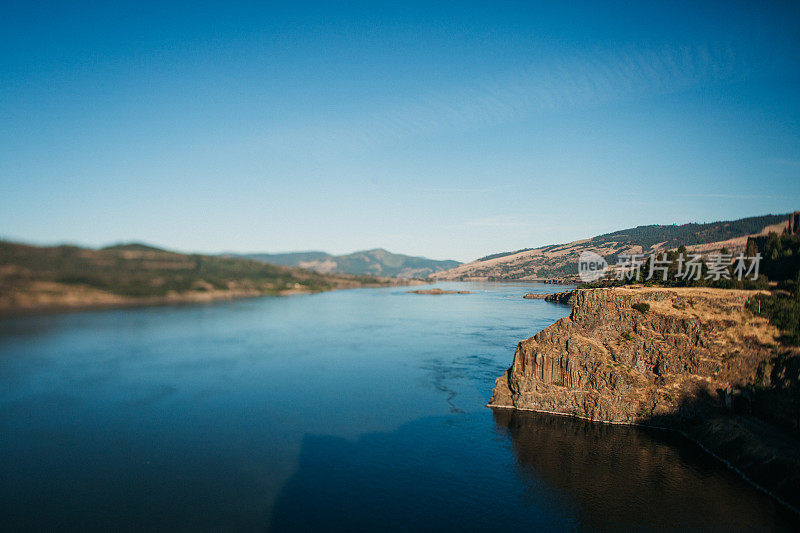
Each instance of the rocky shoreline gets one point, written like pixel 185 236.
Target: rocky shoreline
pixel 681 359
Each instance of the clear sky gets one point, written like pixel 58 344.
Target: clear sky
pixel 450 132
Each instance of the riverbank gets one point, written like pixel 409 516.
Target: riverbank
pixel 49 297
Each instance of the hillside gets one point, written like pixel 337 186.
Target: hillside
pixel 40 278
pixel 377 262
pixel 559 261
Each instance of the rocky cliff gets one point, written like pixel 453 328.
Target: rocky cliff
pixel 626 355
pixel 693 359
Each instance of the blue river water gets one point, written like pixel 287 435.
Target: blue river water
pixel 351 410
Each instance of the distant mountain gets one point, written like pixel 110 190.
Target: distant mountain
pixel 560 261
pixel 287 259
pixel 378 262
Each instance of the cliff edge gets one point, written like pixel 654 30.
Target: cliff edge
pixel 692 359
pixel 613 362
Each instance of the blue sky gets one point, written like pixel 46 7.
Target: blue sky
pixel 438 131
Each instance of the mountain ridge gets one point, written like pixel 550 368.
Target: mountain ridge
pixel 560 261
pixel 375 262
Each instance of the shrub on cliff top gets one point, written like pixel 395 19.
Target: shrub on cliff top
pixel 641 307
pixel 782 310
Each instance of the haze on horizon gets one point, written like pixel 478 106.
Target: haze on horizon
pixel 451 134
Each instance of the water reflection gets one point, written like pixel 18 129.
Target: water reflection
pixel 534 472
pixel 623 478
pixel 448 473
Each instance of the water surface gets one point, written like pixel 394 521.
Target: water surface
pixel 346 411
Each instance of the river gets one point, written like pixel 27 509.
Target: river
pixel 343 411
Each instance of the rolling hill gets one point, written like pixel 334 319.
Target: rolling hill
pixel 40 278
pixel 560 261
pixel 377 262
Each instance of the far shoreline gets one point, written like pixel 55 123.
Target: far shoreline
pixel 115 301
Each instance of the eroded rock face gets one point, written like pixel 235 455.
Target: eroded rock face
pixel 609 361
pixel 567 298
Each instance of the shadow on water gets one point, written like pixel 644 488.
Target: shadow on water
pixel 624 477
pixel 756 432
pixel 534 471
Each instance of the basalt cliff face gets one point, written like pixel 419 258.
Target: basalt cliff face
pixel 612 362
pixel 690 359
